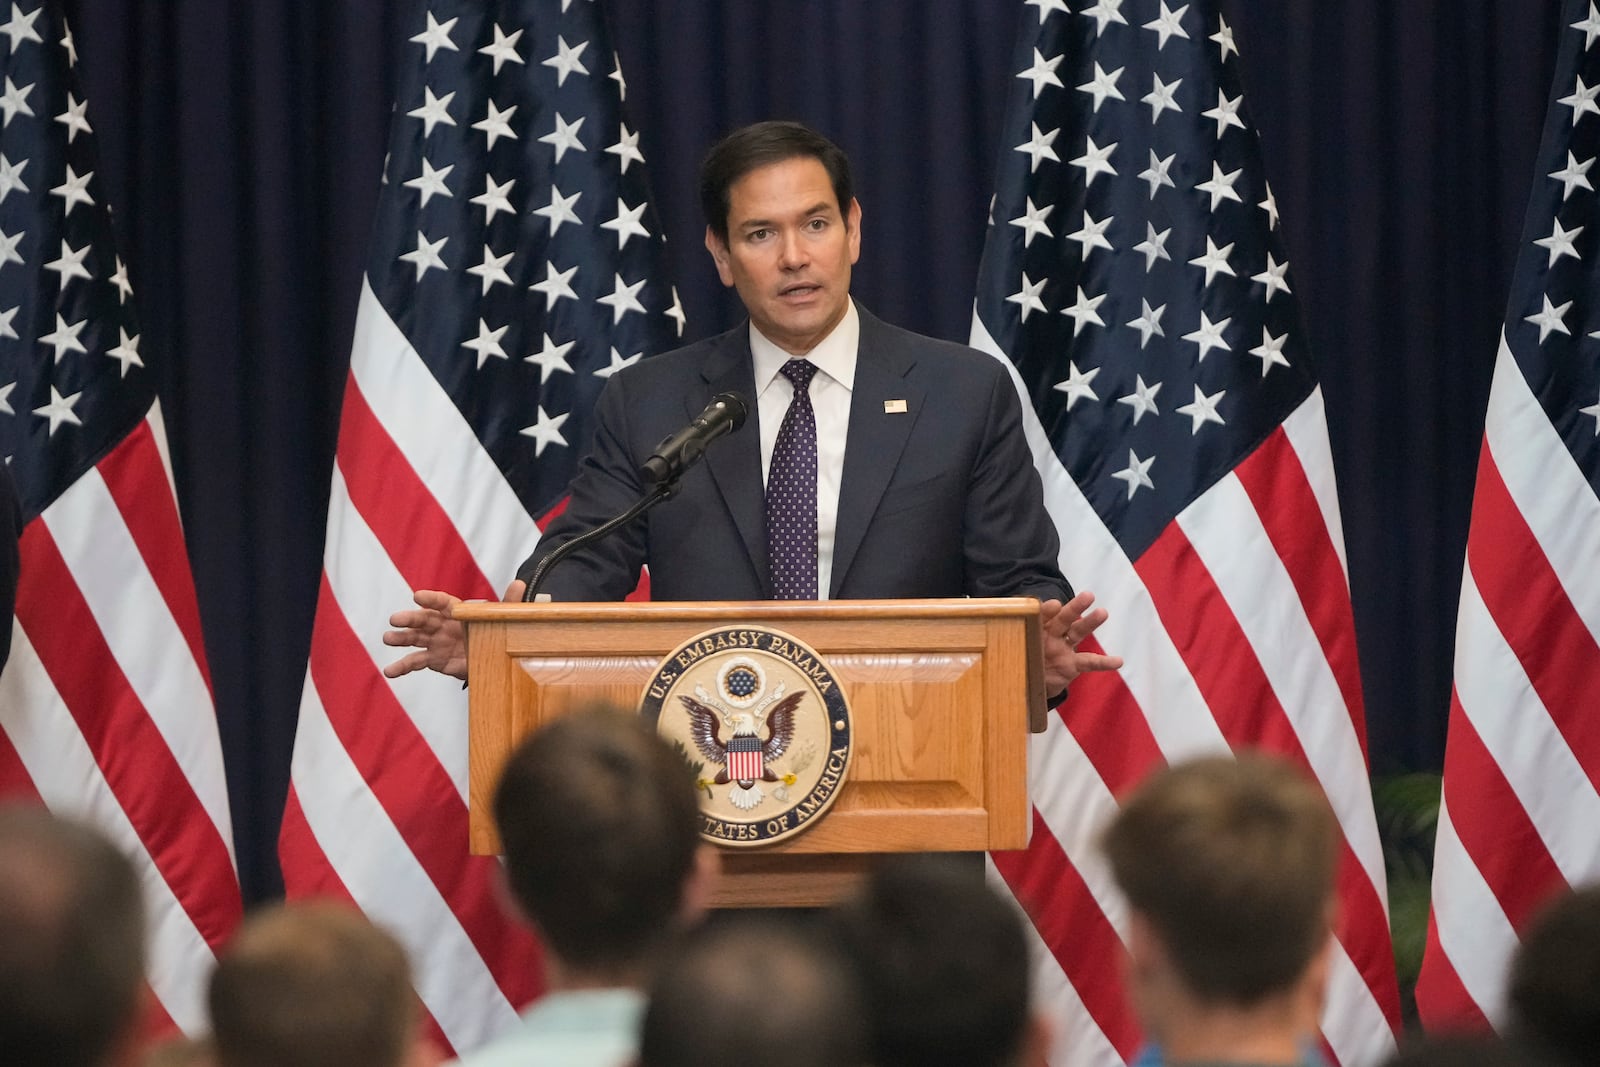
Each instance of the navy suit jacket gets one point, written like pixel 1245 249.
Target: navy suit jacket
pixel 938 500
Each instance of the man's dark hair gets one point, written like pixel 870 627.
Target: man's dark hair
pixel 1555 979
pixel 1460 1050
pixel 71 941
pixel 599 823
pixel 755 990
pixel 943 963
pixel 1232 862
pixel 759 145
pixel 311 985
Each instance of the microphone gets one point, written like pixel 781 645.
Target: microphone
pixel 661 471
pixel 682 450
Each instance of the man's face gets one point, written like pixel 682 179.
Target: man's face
pixel 789 251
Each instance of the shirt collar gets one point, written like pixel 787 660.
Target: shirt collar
pixel 617 1008
pixel 834 355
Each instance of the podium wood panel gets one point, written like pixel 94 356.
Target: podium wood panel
pixel 942 694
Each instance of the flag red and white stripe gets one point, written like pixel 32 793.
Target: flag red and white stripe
pixel 106 709
pixel 497 302
pixel 1237 632
pixel 1133 262
pixel 1522 761
pixel 377 810
pixel 1522 758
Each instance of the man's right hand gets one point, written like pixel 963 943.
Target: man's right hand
pixel 440 640
pixel 432 629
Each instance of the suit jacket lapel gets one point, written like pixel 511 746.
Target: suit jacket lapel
pixel 735 462
pixel 875 439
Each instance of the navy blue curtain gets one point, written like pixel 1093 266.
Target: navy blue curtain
pixel 243 143
pixel 1400 141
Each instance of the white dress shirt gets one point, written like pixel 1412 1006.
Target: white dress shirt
pixel 835 360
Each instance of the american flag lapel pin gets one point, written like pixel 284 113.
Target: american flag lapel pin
pixel 894 407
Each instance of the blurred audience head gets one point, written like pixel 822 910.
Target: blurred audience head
pixel 943 964
pixel 1555 980
pixel 599 823
pixel 1228 866
pixel 755 990
pixel 314 985
pixel 1461 1051
pixel 71 943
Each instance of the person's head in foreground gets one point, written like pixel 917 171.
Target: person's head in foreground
pixel 314 985
pixel 943 965
pixel 755 990
pixel 1555 980
pixel 1462 1051
pixel 71 944
pixel 599 823
pixel 1228 866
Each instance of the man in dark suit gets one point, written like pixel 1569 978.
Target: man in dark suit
pixel 882 463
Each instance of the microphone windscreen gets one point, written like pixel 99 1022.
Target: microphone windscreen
pixel 738 409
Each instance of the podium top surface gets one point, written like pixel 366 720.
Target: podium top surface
pixel 712 610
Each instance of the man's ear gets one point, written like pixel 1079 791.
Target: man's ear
pixel 1036 1039
pixel 852 222
pixel 506 899
pixel 1146 973
pixel 422 1050
pixel 1145 949
pixel 719 255
pixel 1313 985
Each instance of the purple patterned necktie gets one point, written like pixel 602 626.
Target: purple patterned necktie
pixel 792 492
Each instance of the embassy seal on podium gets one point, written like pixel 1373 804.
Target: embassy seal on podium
pixel 761 722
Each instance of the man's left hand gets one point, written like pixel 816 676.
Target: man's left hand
pixel 1065 628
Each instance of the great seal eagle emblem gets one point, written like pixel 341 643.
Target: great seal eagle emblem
pixel 745 755
pixel 762 726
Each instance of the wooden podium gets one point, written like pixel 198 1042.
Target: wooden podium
pixel 942 694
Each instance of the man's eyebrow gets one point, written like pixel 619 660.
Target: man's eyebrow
pixel 821 207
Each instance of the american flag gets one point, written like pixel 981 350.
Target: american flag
pixel 105 705
pixel 517 262
pixel 1135 280
pixel 1522 759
